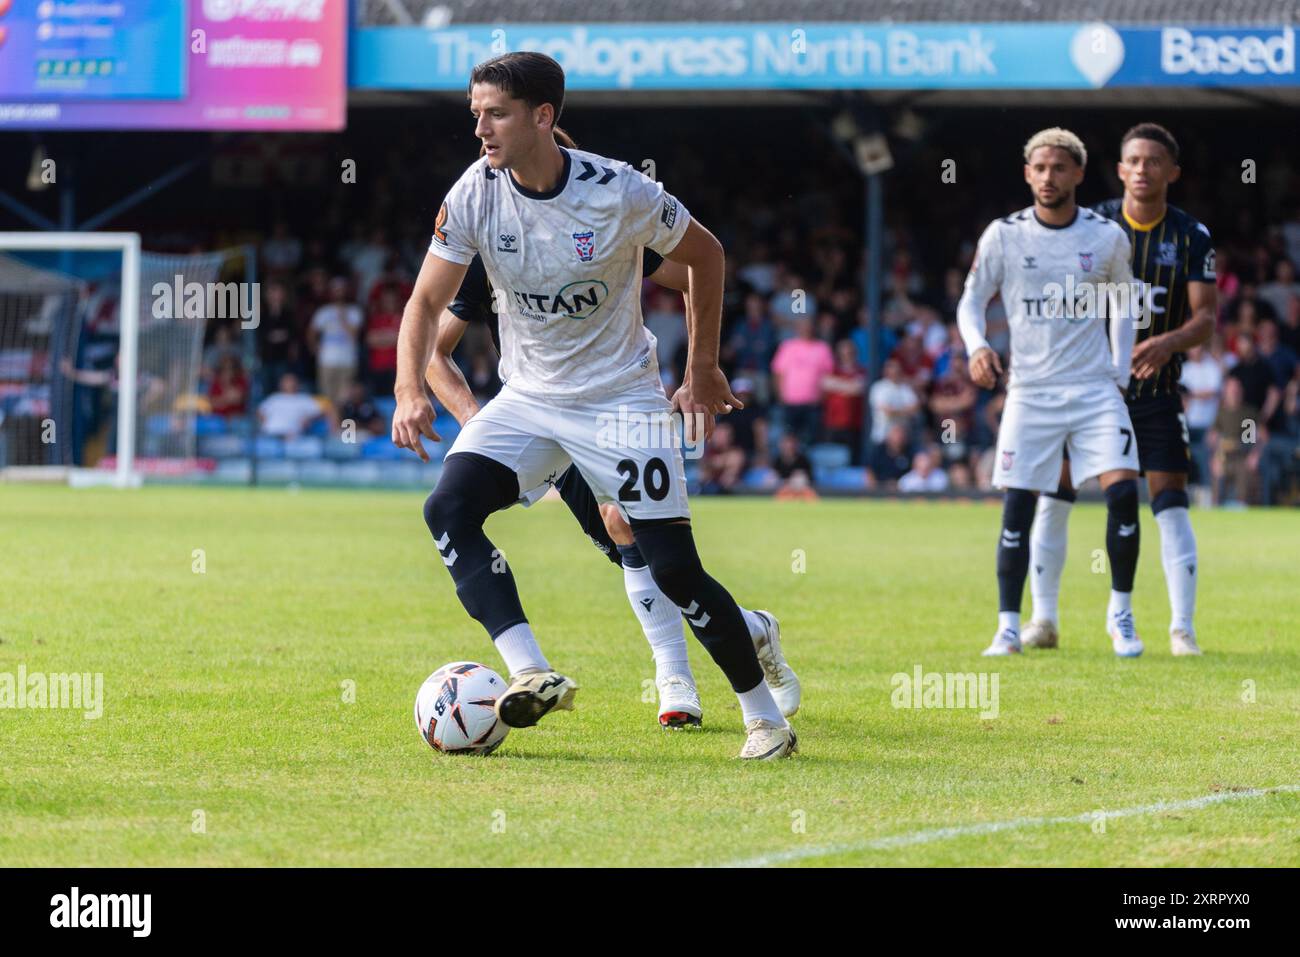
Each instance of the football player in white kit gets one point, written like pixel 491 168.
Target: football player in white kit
pixel 561 233
pixel 1062 272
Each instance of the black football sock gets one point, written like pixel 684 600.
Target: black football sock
pixel 714 616
pixel 1013 548
pixel 471 488
pixel 1122 533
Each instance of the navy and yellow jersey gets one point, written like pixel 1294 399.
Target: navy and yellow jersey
pixel 1167 255
pixel 473 302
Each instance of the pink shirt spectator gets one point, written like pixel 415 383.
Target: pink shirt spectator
pixel 801 364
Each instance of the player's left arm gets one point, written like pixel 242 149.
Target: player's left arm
pixel 654 218
pixel 705 390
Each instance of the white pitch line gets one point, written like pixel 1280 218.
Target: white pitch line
pixel 992 827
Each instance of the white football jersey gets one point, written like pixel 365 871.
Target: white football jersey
pixel 565 269
pixel 1051 282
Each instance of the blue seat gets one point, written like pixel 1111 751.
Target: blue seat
pixel 829 456
pixel 222 446
pixel 386 406
pixel 321 472
pixel 844 479
pixel 304 447
pixel 270 447
pixel 382 448
pixel 272 471
pixel 210 425
pixel 360 473
pixel 160 424
pixel 757 479
pixel 320 428
pixel 233 470
pixel 342 451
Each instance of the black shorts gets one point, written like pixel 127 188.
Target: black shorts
pixel 1161 434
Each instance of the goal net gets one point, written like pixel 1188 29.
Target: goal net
pixel 102 353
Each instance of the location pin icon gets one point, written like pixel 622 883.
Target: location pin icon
pixel 1097 51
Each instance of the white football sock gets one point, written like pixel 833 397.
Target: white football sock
pixel 758 703
pixel 661 621
pixel 1048 543
pixel 1178 554
pixel 519 649
pixel 1009 621
pixel 1119 601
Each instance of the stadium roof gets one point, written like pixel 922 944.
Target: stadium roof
pixel 1148 12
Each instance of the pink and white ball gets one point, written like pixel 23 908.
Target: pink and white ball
pixel 455 709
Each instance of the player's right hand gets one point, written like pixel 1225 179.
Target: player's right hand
pixel 412 419
pixel 985 367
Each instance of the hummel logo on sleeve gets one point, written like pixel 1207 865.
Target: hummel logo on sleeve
pixel 589 172
pixel 670 212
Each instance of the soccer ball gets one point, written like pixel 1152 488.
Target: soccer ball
pixel 455 709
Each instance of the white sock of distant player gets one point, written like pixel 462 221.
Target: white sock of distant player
pixel 1178 554
pixel 1009 621
pixel 520 650
pixel 1120 601
pixel 1048 542
pixel 660 620
pixel 759 703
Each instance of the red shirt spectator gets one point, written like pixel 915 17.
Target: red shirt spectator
pixel 845 387
pixel 917 366
pixel 381 341
pixel 228 394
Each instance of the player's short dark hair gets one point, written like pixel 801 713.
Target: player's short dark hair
pixel 534 78
pixel 1154 132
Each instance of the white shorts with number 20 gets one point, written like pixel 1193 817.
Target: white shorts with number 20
pixel 625 446
pixel 1038 423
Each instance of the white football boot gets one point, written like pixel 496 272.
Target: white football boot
pixel 532 694
pixel 1123 635
pixel 679 703
pixel 766 741
pixel 1183 642
pixel 1040 634
pixel 1005 642
pixel 780 677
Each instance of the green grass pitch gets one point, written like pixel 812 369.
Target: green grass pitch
pixel 227 736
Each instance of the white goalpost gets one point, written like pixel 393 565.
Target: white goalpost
pixel 127 245
pixel 104 375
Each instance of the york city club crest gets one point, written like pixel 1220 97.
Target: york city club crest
pixel 1085 262
pixel 584 245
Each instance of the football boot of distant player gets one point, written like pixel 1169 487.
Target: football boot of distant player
pixel 1005 642
pixel 1040 634
pixel 1123 634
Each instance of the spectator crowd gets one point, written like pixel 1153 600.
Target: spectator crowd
pixel 795 343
